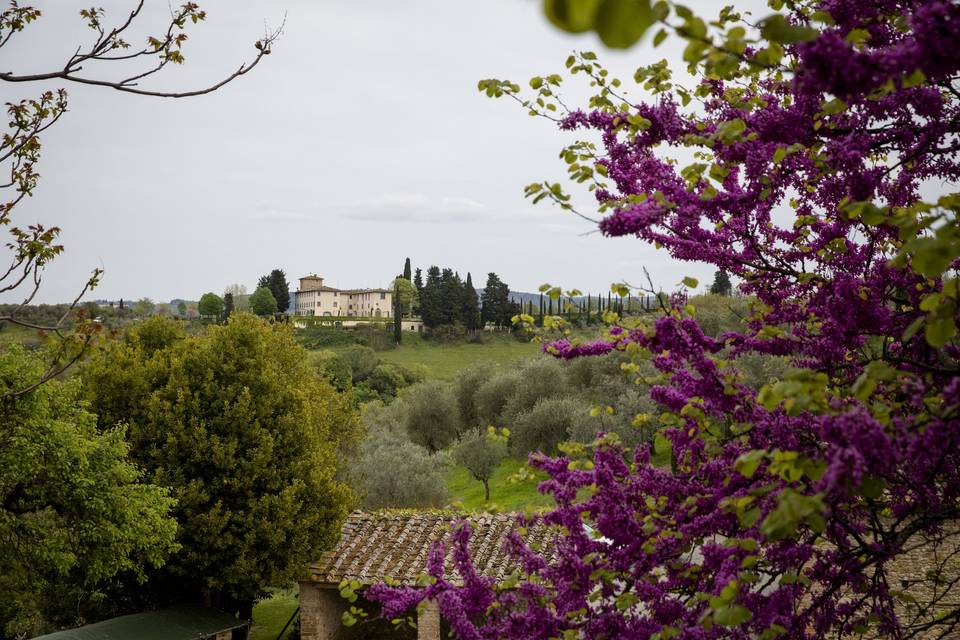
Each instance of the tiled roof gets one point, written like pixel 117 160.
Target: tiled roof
pixel 376 545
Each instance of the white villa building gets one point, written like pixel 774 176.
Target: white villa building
pixel 314 298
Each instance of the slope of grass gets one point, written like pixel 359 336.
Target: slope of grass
pixel 507 495
pixel 445 360
pixel 271 614
pixel 504 494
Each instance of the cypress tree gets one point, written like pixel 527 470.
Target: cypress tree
pixel 431 299
pixel 406 269
pixel 397 313
pixel 227 305
pixel 469 306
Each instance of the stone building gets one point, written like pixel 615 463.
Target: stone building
pixel 395 544
pixel 314 298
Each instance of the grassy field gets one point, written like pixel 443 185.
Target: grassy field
pixel 444 361
pixel 507 495
pixel 504 494
pixel 271 614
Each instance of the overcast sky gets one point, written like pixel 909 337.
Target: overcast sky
pixel 360 141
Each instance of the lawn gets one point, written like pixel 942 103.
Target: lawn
pixel 505 495
pixel 445 360
pixel 271 614
pixel 511 495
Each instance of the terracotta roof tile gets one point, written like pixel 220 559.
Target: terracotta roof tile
pixel 395 544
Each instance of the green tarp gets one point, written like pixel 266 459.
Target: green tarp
pixel 183 622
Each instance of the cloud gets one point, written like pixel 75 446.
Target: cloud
pixel 415 208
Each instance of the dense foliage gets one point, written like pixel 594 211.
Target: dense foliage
pixel 811 161
pixel 248 439
pixel 262 302
pixel 276 282
pixel 74 514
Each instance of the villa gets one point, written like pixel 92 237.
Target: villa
pixel 314 298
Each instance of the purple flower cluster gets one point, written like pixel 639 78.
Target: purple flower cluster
pixel 784 509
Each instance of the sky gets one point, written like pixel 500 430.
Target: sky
pixel 360 141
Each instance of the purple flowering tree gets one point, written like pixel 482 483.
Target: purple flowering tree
pixel 813 159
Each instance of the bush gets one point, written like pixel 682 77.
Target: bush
pixel 587 373
pixel 718 314
pixel 492 395
pixel 332 367
pixel 361 360
pixel 465 387
pixel 547 424
pixel 446 333
pixel 400 474
pixel 539 378
pixel 391 471
pixel 431 418
pixel 386 379
pixel 626 407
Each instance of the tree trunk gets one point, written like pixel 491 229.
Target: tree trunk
pixel 486 488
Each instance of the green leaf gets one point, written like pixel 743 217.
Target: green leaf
pixel 626 601
pixel 690 283
pixel 620 23
pixel 575 16
pixel 912 329
pixel 660 37
pixel 732 615
pixel 776 28
pixel 939 331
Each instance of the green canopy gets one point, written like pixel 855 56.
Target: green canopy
pixel 182 622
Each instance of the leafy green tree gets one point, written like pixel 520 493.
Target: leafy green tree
pixel 465 388
pixel 451 296
pixel 228 304
pixel 210 306
pixel 74 513
pixel 469 306
pixel 418 280
pixel 496 302
pixel 431 415
pixel 246 435
pixel 431 299
pixel 721 283
pixel 391 471
pixel 276 281
pixel 181 308
pixel 404 295
pixel 481 454
pixel 262 302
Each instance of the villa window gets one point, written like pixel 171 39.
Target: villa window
pixel 383 296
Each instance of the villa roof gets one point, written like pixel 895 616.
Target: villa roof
pixel 396 544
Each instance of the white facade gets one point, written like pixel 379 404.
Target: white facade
pixel 313 298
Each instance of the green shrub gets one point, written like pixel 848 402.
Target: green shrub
pixel 361 360
pixel 446 333
pixel 431 418
pixel 400 474
pixel 332 367
pixel 547 424
pixel 492 395
pixel 540 378
pixel 465 387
